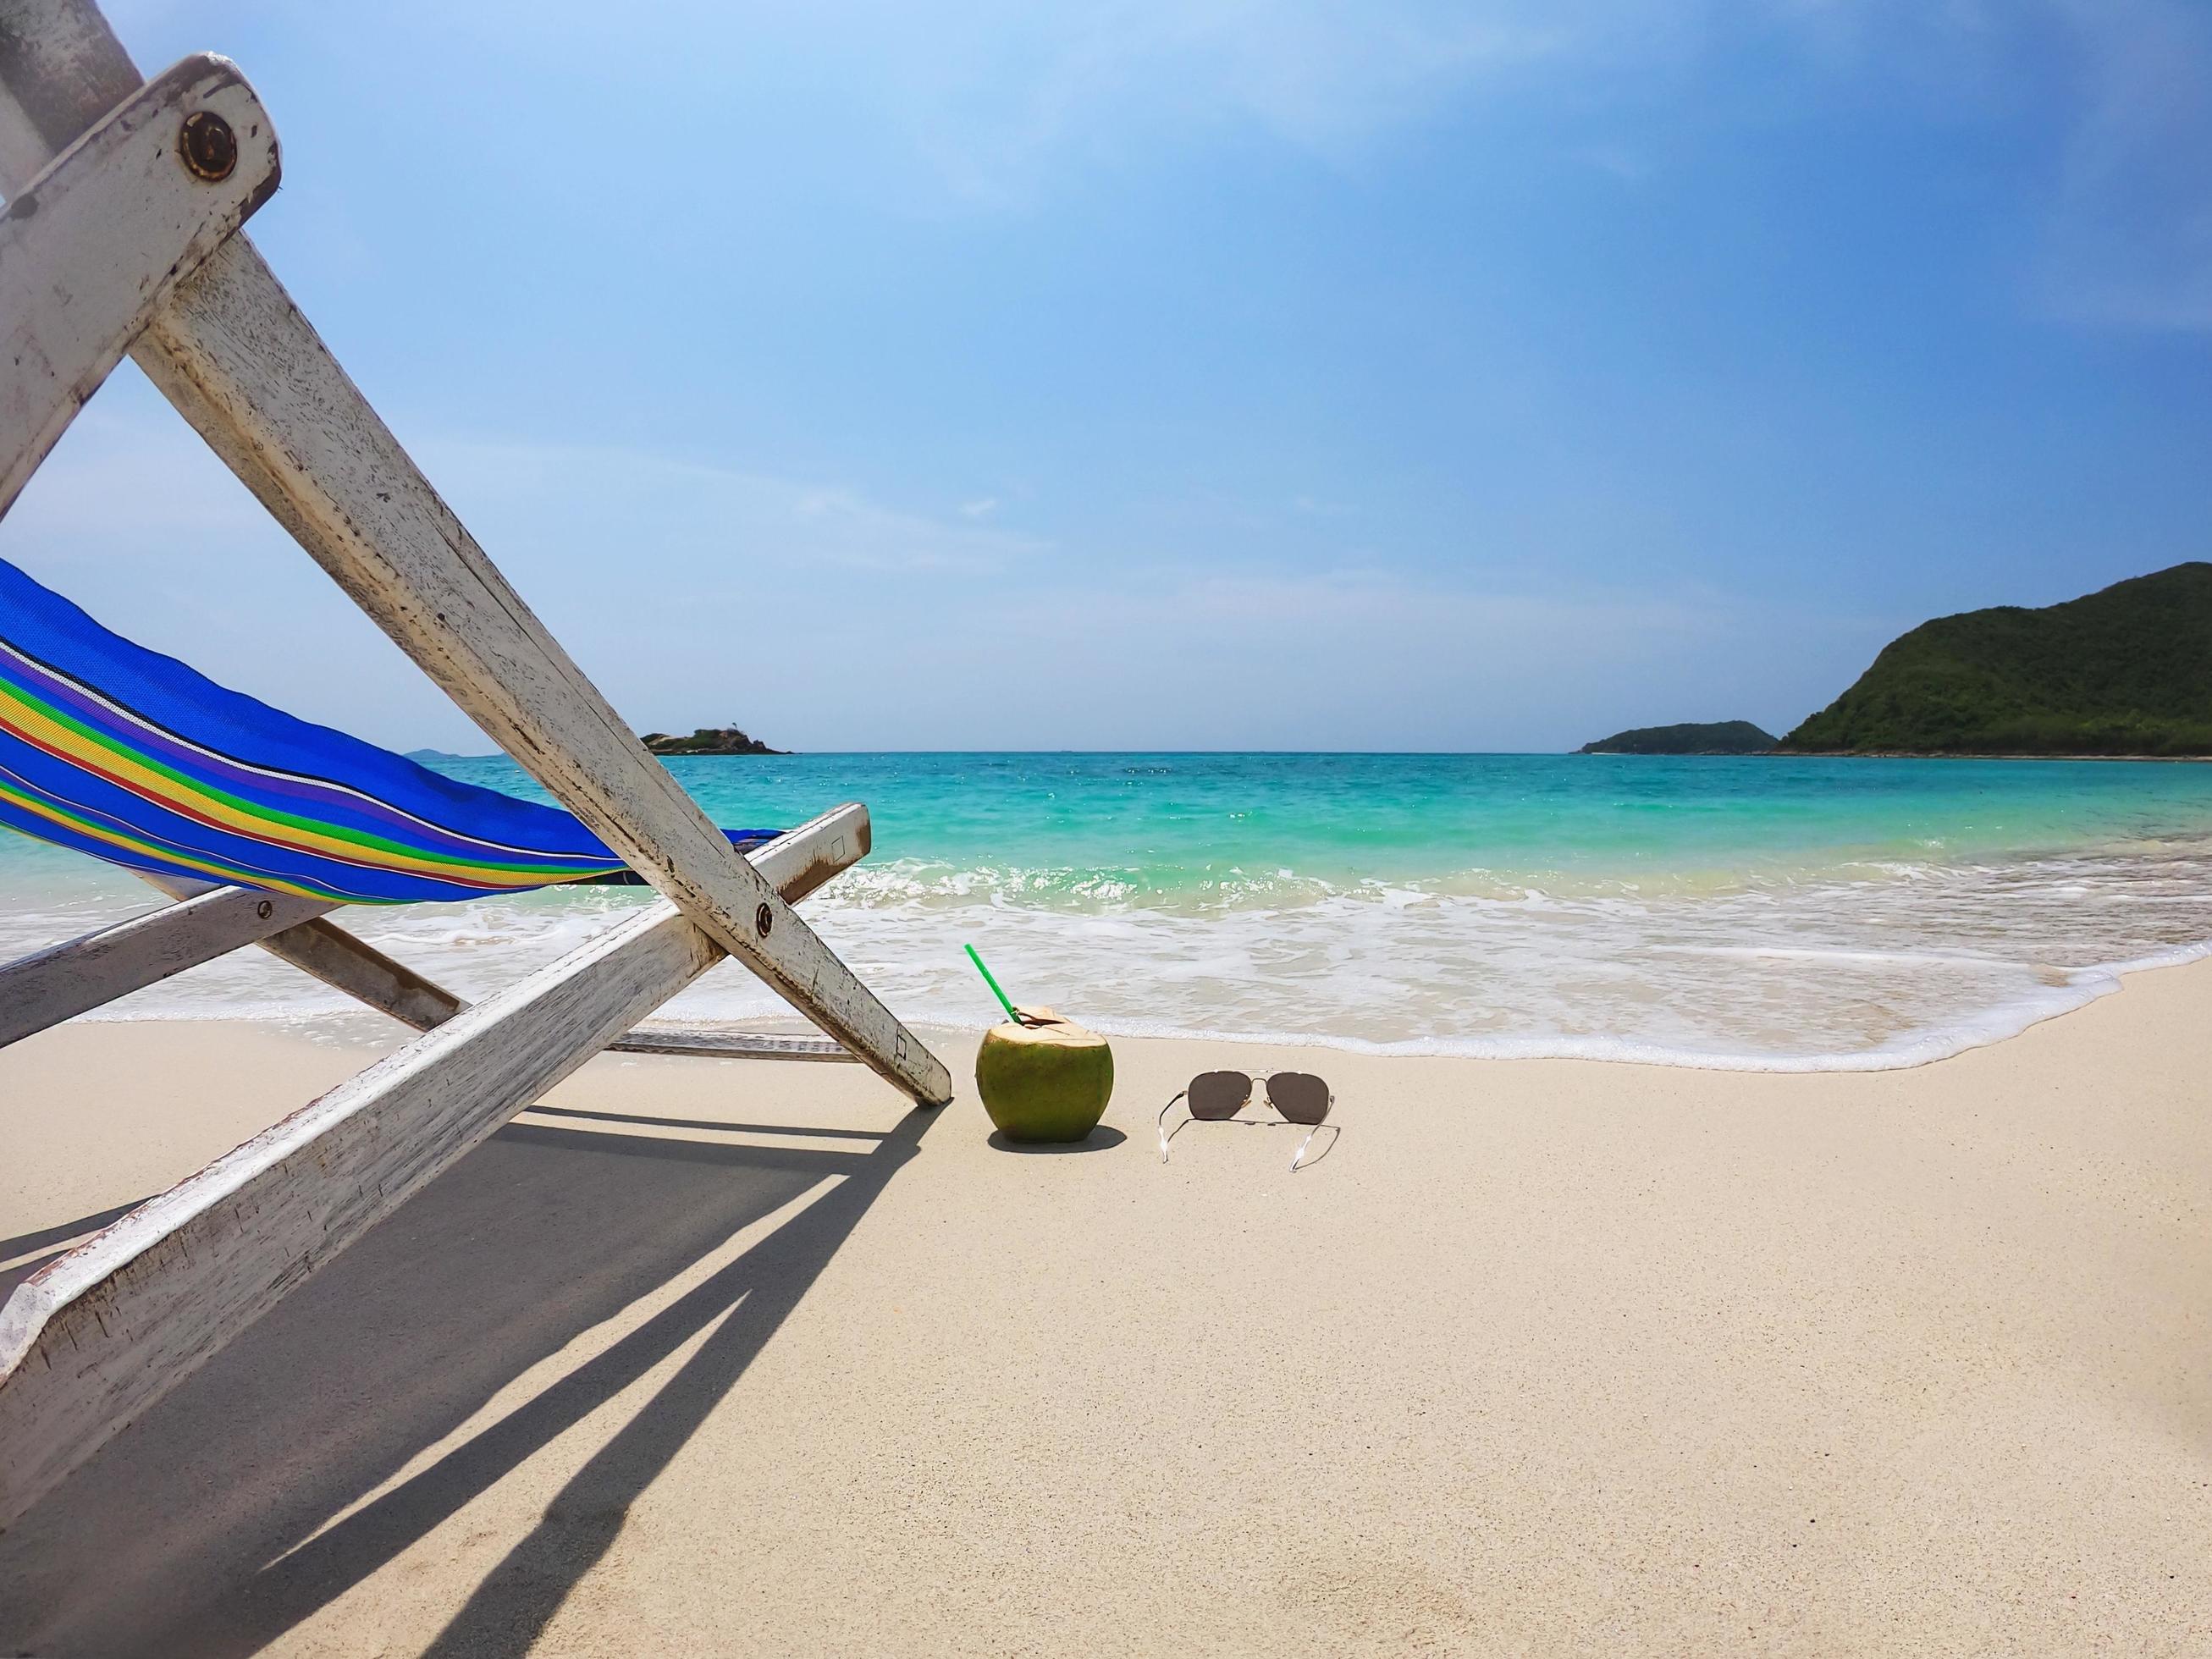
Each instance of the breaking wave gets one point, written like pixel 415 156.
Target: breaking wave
pixel 1853 965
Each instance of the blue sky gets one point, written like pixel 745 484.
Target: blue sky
pixel 1205 373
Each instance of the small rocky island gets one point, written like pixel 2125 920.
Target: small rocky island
pixel 1714 737
pixel 709 740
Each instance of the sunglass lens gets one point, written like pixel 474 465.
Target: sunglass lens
pixel 1215 1095
pixel 1298 1096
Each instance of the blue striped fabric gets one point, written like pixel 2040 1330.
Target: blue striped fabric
pixel 135 757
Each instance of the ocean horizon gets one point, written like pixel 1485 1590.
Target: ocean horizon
pixel 1761 912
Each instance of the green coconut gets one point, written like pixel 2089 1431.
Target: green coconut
pixel 1046 1081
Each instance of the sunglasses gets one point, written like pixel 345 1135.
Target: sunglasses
pixel 1297 1098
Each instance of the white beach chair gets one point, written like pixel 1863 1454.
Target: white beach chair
pixel 123 234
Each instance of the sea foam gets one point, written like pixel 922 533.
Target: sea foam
pixel 1854 967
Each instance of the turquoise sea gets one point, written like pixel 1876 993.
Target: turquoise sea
pixel 1771 913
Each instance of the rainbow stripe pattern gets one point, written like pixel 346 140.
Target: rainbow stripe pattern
pixel 135 757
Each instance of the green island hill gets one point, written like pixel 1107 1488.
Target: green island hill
pixel 2125 670
pixel 1713 737
pixel 709 740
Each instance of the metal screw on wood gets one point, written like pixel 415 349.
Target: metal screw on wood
pixel 208 146
pixel 763 919
pixel 265 909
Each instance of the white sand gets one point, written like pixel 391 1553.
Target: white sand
pixel 1544 1357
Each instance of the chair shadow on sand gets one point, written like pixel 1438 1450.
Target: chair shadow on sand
pixel 194 1531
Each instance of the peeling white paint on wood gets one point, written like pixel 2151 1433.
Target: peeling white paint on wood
pixel 706 1043
pixel 55 984
pixel 323 949
pixel 98 241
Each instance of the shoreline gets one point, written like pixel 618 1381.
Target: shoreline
pixel 1800 917
pixel 1540 1355
pixel 1922 754
pixel 1865 754
pixel 1984 1028
pixel 1803 916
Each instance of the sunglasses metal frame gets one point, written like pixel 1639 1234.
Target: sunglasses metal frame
pixel 1262 1078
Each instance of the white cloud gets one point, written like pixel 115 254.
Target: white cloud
pixel 1353 657
pixel 126 475
pixel 1003 98
pixel 701 522
pixel 827 619
pixel 1627 163
pixel 2122 89
pixel 2130 238
pixel 998 95
pixel 962 104
pixel 660 574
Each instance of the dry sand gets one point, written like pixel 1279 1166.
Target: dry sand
pixel 1542 1358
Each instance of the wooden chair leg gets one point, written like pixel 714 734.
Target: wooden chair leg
pixel 322 948
pixel 96 1336
pixel 79 975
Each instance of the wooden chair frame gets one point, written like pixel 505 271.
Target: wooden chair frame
pixel 122 233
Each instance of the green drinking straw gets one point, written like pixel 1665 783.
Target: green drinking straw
pixel 994 984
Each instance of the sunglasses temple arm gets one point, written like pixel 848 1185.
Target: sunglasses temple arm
pixel 1299 1155
pixel 1163 1125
